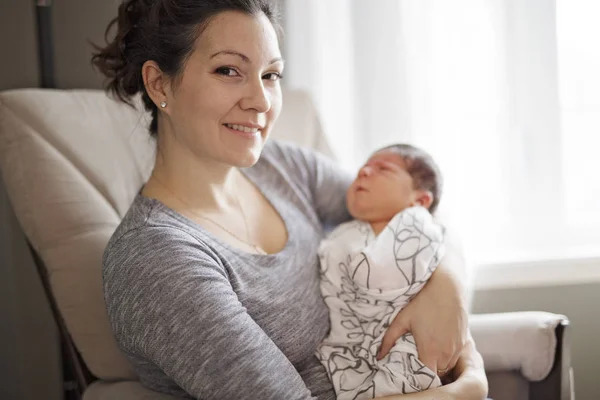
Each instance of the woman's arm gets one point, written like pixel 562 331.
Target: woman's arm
pixel 329 184
pixel 470 383
pixel 171 303
pixel 323 180
pixel 469 374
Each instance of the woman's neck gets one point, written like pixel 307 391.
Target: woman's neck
pixel 197 183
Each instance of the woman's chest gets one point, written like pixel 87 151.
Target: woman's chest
pixel 281 293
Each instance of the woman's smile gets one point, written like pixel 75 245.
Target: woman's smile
pixel 250 131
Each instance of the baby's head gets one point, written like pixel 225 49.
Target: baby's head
pixel 394 178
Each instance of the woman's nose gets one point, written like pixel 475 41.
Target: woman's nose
pixel 257 98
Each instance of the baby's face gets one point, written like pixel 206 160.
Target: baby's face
pixel 382 188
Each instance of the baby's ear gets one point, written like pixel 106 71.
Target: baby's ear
pixel 424 198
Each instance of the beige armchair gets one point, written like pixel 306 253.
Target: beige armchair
pixel 72 162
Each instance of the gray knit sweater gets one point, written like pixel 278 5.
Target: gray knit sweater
pixel 200 319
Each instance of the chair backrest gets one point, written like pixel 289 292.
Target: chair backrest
pixel 72 162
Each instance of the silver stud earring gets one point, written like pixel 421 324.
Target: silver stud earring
pixel 163 104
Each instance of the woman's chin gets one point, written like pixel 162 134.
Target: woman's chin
pixel 246 158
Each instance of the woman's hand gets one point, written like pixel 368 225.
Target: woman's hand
pixel 470 382
pixel 437 318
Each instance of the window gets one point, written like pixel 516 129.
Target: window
pixel 504 95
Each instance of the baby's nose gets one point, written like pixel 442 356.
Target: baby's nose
pixel 364 171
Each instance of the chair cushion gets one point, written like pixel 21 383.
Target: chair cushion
pixel 508 385
pixel 71 163
pixel 130 390
pixel 518 341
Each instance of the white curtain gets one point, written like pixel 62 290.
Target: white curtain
pixel 505 94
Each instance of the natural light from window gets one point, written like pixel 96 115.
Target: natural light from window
pixel 578 31
pixel 504 95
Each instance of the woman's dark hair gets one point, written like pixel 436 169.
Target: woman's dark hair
pixel 163 31
pixel 424 171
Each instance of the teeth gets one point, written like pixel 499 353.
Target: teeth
pixel 242 128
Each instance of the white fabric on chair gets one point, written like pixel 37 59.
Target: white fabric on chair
pixel 523 341
pixel 72 162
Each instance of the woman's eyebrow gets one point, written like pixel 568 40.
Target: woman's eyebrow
pixel 231 53
pixel 244 58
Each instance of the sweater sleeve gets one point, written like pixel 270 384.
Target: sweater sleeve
pixel 324 180
pixel 183 315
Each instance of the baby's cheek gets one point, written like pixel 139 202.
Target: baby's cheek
pixel 350 190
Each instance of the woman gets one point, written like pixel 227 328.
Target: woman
pixel 211 279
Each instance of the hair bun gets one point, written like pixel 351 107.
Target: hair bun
pixel 163 31
pixel 117 60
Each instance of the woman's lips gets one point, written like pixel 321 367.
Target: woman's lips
pixel 249 135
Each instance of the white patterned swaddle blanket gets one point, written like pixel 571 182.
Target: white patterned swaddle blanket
pixel 366 280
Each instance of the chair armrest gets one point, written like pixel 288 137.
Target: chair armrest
pixel 534 343
pixel 521 341
pixel 129 390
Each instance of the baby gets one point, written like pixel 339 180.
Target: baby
pixel 372 266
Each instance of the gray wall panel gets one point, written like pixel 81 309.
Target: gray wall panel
pixel 18 52
pixel 76 23
pixel 579 303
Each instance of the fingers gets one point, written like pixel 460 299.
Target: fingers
pixel 441 362
pixel 453 360
pixel 429 358
pixel 447 360
pixel 450 358
pixel 393 333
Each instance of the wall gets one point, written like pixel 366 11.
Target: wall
pixel 29 363
pixel 76 23
pixel 18 57
pixel 579 303
pixel 29 354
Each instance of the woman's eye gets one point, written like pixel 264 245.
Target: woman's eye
pixel 273 76
pixel 227 71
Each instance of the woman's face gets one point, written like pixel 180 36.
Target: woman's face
pixel 229 96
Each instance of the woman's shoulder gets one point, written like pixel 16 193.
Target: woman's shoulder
pixel 293 156
pixel 283 149
pixel 300 164
pixel 286 155
pixel 284 164
pixel 149 233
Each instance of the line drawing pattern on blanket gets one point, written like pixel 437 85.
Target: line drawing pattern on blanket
pixel 366 280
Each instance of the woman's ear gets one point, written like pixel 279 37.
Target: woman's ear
pixel 424 198
pixel 157 83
